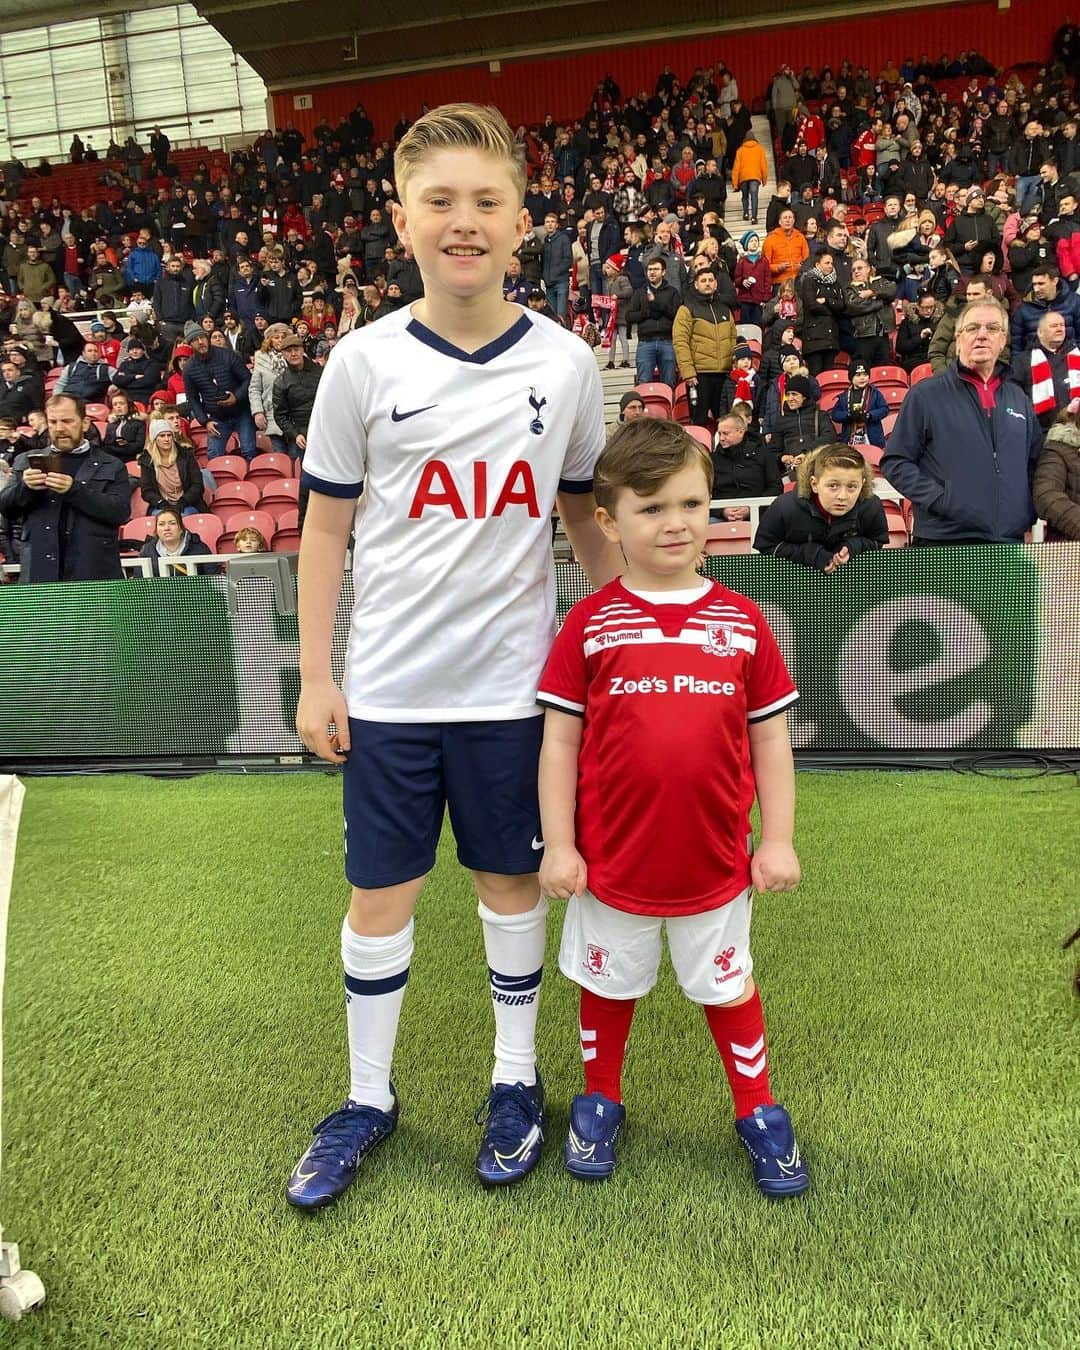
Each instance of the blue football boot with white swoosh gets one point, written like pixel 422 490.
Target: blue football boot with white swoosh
pixel 768 1137
pixel 595 1122
pixel 513 1119
pixel 329 1166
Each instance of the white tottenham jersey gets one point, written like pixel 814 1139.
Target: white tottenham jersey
pixel 458 457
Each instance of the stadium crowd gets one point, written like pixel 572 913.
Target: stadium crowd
pixel 219 286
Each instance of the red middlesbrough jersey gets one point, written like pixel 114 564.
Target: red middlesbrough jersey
pixel 665 783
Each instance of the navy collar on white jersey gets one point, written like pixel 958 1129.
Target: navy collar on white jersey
pixel 482 355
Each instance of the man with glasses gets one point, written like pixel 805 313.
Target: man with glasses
pixel 964 447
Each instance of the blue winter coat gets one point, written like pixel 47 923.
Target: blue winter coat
pixel 876 412
pixel 967 474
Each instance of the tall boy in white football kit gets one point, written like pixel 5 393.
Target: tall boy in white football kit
pixel 461 420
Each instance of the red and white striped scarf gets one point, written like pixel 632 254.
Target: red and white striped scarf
pixel 1042 379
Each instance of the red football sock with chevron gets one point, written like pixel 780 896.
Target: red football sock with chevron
pixel 605 1028
pixel 739 1033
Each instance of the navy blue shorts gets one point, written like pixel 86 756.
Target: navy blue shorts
pixel 400 777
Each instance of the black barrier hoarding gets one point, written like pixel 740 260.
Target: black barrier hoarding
pixel 910 649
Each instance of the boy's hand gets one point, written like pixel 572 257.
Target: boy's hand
pixel 563 872
pixel 774 867
pixel 318 706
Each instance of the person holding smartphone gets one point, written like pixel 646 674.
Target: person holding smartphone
pixel 72 499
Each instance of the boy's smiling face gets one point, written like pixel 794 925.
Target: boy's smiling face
pixel 461 217
pixel 662 534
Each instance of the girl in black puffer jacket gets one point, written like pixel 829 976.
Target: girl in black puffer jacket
pixel 833 517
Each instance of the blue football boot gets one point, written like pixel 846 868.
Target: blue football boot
pixel 769 1139
pixel 513 1119
pixel 595 1122
pixel 328 1167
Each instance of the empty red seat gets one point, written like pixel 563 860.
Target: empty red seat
pixel 656 394
pixel 893 396
pixel 240 495
pixel 287 535
pixel 138 529
pixel 728 537
pixel 883 375
pixel 833 379
pixel 207 527
pixel 898 530
pixel 271 465
pixel 923 372
pixel 228 466
pixel 702 435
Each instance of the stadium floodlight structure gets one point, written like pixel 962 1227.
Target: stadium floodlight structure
pixel 20 1290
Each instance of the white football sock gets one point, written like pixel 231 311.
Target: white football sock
pixel 376 969
pixel 514 944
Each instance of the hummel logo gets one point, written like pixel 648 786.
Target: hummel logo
pixel 415 412
pixel 536 844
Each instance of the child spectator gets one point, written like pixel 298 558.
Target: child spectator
pixel 250 540
pixel 665 730
pixel 461 420
pixel 1057 477
pixel 753 279
pixel 860 410
pixel 832 518
pixel 617 283
pixel 741 384
pixel 125 431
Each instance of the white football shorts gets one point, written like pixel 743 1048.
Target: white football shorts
pixel 617 955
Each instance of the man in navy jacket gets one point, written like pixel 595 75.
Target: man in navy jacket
pixel 557 260
pixel 216 382
pixel 964 447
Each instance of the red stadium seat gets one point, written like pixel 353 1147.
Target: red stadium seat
pixel 240 496
pixel 842 359
pixel 887 424
pixel 898 530
pixel 207 527
pixel 656 394
pixel 97 412
pixel 830 397
pixel 262 521
pixel 872 454
pixel 265 467
pixel 833 379
pixel 138 530
pixel 280 495
pixel 923 372
pixel 659 411
pixel 728 537
pixel 893 396
pixel 138 504
pixel 888 375
pixel 702 435
pixel 228 466
pixel 287 535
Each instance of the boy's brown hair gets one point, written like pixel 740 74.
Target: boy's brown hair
pixel 643 454
pixel 835 456
pixel 460 126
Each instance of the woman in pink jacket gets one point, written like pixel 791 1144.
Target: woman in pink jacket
pixel 753 279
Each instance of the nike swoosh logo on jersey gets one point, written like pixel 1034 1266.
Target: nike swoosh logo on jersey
pixel 536 844
pixel 415 412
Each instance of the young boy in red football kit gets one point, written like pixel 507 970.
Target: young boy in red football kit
pixel 664 693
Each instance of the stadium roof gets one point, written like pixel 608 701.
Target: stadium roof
pixel 352 39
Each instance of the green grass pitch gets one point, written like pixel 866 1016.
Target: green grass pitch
pixel 174 1026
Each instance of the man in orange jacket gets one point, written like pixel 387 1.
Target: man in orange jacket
pixel 749 171
pixel 785 248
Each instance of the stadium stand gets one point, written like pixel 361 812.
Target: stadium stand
pixel 888 168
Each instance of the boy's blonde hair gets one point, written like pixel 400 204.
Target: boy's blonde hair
pixel 835 456
pixel 460 126
pixel 643 454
